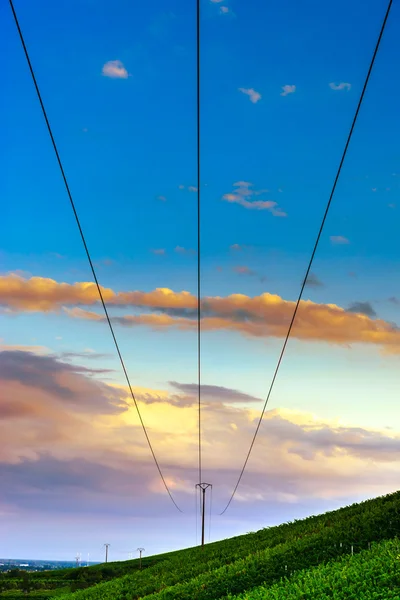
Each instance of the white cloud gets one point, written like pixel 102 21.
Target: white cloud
pixel 339 239
pixel 115 69
pixel 160 251
pixel 242 195
pixel 340 86
pixel 182 250
pixel 224 10
pixel 253 95
pixel 288 89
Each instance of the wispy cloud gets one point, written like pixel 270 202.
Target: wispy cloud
pixel 115 69
pixel 253 95
pixel 238 247
pixel 339 240
pixel 363 308
pixel 340 86
pixel 182 250
pixel 224 10
pixel 161 198
pixel 191 188
pixel 243 194
pixel 214 392
pixel 160 251
pixel 313 281
pixel 288 89
pixel 243 270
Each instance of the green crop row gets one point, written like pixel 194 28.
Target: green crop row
pixel 247 562
pixel 369 575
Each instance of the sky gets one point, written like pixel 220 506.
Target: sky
pixel 279 85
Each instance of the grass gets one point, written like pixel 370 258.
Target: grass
pixel 255 563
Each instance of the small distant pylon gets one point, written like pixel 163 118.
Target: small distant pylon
pixel 107 545
pixel 140 550
pixel 78 560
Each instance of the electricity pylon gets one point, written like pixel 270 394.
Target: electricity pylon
pixel 140 550
pixel 203 487
pixel 106 545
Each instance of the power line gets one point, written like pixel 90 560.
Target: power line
pixel 198 232
pixel 86 248
pixel 314 250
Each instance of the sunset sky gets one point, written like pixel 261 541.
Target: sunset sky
pixel 280 82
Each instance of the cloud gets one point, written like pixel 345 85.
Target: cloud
pixel 182 250
pixel 91 354
pixel 115 69
pixel 339 240
pixel 62 457
pixel 253 95
pixel 340 86
pixel 162 198
pixel 288 89
pixel 242 195
pixel 313 281
pixel 364 308
pixel 243 270
pixel 190 188
pixel 44 294
pixel 159 251
pixel 237 247
pixel 394 300
pixel 224 10
pixel 53 377
pixel 266 315
pixel 214 392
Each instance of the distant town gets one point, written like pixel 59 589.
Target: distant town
pixel 11 564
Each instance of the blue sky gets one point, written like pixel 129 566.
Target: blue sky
pixel 279 87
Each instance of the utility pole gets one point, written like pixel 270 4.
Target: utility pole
pixel 203 487
pixel 106 545
pixel 140 550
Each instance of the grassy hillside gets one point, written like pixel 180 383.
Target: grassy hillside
pixel 231 567
pixel 370 575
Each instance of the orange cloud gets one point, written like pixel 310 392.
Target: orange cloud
pixel 42 294
pixel 266 315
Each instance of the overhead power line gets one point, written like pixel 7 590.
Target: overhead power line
pixel 314 250
pixel 198 231
pixel 87 250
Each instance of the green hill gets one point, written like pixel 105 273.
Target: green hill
pixel 255 565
